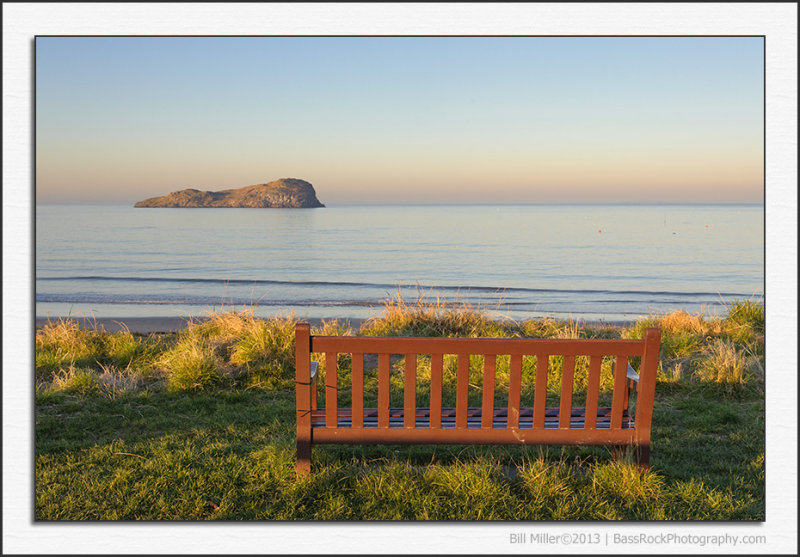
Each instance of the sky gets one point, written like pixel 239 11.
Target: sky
pixel 403 119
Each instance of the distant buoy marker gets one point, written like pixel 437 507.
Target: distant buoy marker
pixel 599 231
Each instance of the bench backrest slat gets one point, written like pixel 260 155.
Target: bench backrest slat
pixel 331 390
pixel 567 381
pixel 620 397
pixel 489 378
pixel 540 390
pixel 358 390
pixel 462 390
pixel 383 389
pixel 593 391
pixel 514 389
pixel 437 365
pixel 410 394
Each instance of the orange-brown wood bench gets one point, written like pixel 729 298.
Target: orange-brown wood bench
pixel 513 423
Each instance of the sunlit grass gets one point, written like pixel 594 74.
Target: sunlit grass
pixel 229 455
pixel 199 424
pixel 237 348
pixel 435 318
pixel 722 362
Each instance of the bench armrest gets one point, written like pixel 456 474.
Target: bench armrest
pixel 632 374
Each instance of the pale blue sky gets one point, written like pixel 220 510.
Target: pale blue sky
pixel 404 119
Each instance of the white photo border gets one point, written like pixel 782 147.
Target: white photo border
pixel 775 21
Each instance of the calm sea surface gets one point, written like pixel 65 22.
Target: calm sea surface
pixel 520 261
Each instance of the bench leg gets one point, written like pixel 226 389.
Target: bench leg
pixel 303 458
pixel 642 453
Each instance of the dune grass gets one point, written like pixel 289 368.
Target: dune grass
pixel 199 424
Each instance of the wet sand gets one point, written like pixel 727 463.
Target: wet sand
pixel 146 325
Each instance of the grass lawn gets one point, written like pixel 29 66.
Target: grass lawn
pixel 200 425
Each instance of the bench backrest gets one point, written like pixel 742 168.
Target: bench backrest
pixel 621 349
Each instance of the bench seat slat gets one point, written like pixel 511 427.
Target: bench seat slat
pixel 474 422
pixel 397 418
pixel 472 411
pixel 471 424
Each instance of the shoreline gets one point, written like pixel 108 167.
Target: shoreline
pixel 147 325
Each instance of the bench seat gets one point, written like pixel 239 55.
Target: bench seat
pixel 474 418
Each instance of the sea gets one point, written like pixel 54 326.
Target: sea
pixel 590 262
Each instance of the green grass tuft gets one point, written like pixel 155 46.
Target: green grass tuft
pixel 191 365
pixel 746 314
pixel 81 381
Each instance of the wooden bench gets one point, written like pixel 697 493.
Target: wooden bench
pixel 514 423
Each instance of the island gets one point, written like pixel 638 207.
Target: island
pixel 286 193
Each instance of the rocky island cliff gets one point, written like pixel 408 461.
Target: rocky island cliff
pixel 286 193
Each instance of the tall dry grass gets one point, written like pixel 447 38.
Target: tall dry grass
pixel 727 352
pixel 88 359
pixel 434 318
pixel 235 348
pixel 722 362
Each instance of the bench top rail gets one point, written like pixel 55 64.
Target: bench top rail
pixel 485 346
